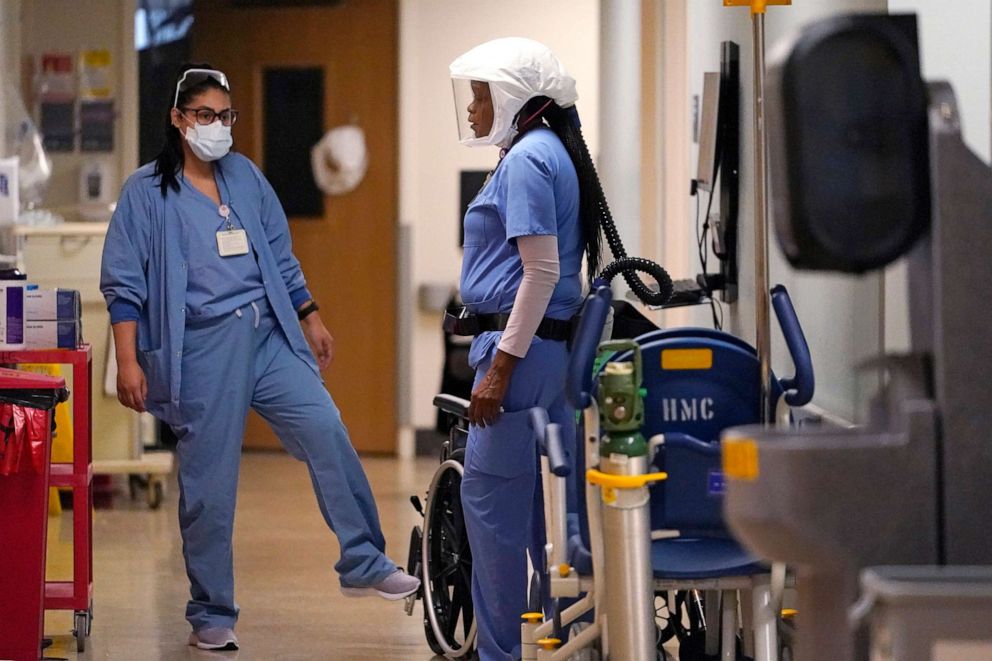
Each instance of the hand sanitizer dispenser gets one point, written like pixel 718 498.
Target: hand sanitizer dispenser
pixel 95 190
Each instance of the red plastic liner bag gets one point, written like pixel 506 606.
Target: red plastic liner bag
pixel 23 434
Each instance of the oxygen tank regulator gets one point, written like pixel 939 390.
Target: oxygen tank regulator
pixel 621 403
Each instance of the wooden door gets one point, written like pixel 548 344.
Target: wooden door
pixel 348 253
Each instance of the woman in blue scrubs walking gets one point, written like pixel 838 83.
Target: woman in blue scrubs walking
pixel 541 211
pixel 211 315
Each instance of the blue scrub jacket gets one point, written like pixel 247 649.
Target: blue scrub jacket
pixel 144 270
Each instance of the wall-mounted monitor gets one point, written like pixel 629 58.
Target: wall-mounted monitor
pixel 729 157
pixel 718 168
pixel 708 124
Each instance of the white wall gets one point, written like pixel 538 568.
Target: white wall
pixel 840 314
pixel 620 102
pixel 70 26
pixel 10 49
pixel 432 34
pixel 956 44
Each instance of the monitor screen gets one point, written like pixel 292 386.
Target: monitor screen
pixel 708 126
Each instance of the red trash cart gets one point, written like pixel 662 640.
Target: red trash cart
pixel 75 595
pixel 26 410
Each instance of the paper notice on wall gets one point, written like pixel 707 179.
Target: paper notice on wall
pixel 96 107
pixel 94 75
pixel 96 126
pixel 9 199
pixel 57 102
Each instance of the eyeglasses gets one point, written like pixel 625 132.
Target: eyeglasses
pixel 206 116
pixel 193 77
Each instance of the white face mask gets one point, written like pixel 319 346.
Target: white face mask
pixel 210 142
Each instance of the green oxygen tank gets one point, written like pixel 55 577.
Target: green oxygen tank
pixel 623 478
pixel 621 403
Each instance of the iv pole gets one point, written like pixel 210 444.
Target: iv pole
pixel 762 301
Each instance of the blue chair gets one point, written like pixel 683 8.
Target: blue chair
pixel 698 382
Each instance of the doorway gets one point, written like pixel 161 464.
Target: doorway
pixel 296 72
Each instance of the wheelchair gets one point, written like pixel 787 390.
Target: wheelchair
pixel 698 382
pixel 439 551
pixel 698 568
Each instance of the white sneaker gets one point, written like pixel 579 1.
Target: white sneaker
pixel 396 586
pixel 220 638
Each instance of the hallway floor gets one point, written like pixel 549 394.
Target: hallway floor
pixel 286 587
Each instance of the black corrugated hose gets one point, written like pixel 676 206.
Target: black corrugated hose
pixel 593 209
pixel 629 266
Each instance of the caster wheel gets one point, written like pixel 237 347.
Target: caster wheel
pixel 81 629
pixel 414 567
pixel 156 492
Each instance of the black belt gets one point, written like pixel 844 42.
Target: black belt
pixel 466 323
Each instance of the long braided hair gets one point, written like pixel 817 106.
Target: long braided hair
pixel 594 211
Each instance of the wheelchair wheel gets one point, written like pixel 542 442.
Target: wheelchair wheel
pixel 447 566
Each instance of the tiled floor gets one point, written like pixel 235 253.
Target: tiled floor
pixel 290 605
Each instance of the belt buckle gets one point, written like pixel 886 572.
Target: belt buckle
pixel 455 320
pixel 451 318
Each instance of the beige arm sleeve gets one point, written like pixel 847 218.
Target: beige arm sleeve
pixel 539 255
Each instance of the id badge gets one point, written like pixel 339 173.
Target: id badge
pixel 231 243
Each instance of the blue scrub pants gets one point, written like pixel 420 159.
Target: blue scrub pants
pixel 230 363
pixel 501 494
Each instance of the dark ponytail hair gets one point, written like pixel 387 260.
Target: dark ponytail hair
pixel 594 212
pixel 170 161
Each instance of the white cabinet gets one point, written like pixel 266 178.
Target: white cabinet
pixel 69 255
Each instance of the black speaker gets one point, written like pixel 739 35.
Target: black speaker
pixel 849 143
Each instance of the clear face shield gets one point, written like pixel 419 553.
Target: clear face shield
pixel 473 109
pixel 484 112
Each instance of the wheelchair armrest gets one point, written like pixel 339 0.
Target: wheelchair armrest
pixel 798 389
pixel 684 443
pixel 579 556
pixel 539 422
pixel 549 441
pixel 555 450
pixel 579 381
pixel 455 406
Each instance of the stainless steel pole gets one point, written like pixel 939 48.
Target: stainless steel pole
pixel 761 297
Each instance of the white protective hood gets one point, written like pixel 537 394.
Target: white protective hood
pixel 340 160
pixel 517 70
